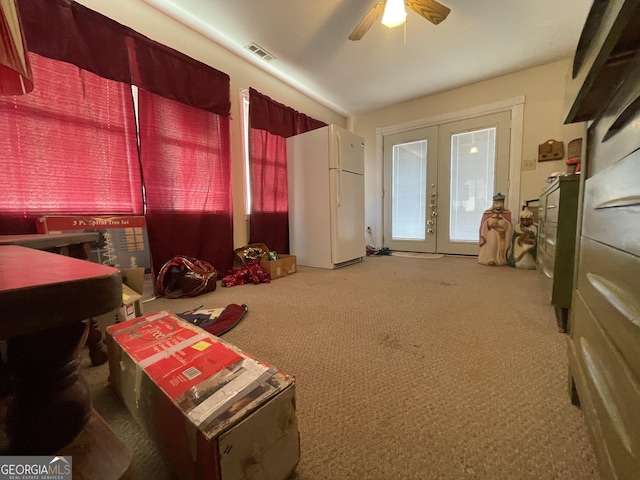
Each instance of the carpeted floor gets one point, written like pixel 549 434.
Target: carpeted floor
pixel 406 368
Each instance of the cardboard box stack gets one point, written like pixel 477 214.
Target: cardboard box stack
pixel 214 411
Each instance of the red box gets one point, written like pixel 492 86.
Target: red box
pixel 198 396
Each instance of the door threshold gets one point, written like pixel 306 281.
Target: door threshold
pixel 416 254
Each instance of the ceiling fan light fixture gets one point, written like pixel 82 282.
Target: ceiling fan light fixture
pixel 394 13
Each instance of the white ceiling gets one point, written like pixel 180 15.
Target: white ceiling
pixel 480 39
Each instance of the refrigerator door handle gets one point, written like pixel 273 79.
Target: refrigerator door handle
pixel 339 192
pixel 339 139
pixel 339 167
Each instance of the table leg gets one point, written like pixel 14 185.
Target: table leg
pixel 95 343
pixel 5 379
pixel 52 402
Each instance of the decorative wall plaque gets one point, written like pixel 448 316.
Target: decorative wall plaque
pixel 550 150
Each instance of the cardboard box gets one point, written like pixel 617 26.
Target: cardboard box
pixel 123 241
pixel 133 280
pixel 214 411
pixel 290 263
pixel 283 266
pixel 244 255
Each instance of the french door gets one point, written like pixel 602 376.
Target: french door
pixel 410 173
pixel 440 179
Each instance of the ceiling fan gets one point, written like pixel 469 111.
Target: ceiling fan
pixel 430 9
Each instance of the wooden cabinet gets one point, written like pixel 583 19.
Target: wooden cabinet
pixel 606 47
pixel 604 333
pixel 557 218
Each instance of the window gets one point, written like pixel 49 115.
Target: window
pixel 102 174
pixel 270 124
pixel 69 147
pixel 186 163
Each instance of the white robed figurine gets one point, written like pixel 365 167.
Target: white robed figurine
pixel 523 254
pixel 496 231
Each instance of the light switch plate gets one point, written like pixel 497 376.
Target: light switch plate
pixel 529 164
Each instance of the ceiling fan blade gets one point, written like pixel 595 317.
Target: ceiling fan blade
pixel 430 9
pixel 365 24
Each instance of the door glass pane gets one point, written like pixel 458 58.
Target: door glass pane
pixel 473 157
pixel 409 184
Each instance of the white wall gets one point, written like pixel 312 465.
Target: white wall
pixel 543 88
pixel 148 21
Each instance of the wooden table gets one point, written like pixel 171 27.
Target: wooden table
pixel 44 298
pixel 76 245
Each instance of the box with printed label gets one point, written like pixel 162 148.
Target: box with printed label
pixel 123 241
pixel 214 411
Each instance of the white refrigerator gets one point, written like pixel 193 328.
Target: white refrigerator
pixel 326 197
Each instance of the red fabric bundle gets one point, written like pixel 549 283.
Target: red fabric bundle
pixel 252 272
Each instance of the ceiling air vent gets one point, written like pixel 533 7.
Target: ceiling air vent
pixel 260 52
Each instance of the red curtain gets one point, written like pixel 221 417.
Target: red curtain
pixel 74 149
pixel 70 32
pixel 269 222
pixel 68 147
pixel 270 124
pixel 185 155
